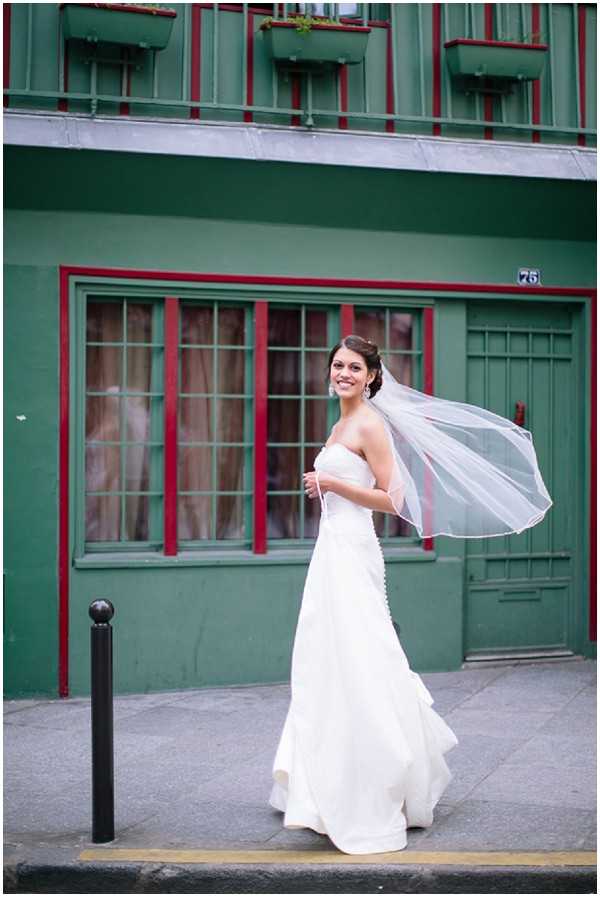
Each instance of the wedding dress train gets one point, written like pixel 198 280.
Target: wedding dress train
pixel 360 757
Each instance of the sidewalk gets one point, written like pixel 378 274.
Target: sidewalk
pixel 193 772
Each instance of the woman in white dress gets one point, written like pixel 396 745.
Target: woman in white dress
pixel 361 753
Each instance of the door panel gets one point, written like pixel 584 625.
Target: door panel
pixel 520 588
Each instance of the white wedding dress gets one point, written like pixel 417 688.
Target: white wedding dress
pixel 360 757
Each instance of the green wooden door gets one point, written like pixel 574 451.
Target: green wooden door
pixel 522 590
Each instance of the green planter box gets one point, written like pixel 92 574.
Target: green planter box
pixel 118 23
pixel 496 59
pixel 322 45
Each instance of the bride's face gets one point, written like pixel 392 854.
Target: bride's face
pixel 349 373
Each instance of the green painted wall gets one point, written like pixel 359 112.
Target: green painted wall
pixel 83 208
pixel 30 480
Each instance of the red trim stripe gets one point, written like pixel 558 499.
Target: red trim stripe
pixel 428 365
pixel 171 396
pixel 127 7
pixel 248 116
pixel 536 97
pixel 344 283
pixel 581 10
pixel 295 98
pixel 196 32
pixel 63 487
pixel 488 102
pixel 390 124
pixel 6 17
pixel 436 33
pixel 346 320
pixel 468 41
pixel 261 310
pixel 124 107
pixel 343 76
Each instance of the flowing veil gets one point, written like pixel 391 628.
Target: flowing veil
pixel 459 470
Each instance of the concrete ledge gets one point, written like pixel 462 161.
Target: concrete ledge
pixel 274 143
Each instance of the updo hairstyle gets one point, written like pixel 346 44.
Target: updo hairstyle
pixel 368 350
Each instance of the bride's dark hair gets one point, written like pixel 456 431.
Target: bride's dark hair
pixel 368 350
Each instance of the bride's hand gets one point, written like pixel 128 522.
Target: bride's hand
pixel 310 483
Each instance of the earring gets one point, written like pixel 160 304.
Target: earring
pixel 331 391
pixel 367 392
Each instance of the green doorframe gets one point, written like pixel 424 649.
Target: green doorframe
pixel 258 286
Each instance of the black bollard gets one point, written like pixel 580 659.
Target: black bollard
pixel 103 802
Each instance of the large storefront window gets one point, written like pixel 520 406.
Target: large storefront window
pixel 127 491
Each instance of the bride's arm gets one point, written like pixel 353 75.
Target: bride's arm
pixel 379 456
pixel 375 499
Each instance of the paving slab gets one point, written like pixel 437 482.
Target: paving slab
pixel 192 772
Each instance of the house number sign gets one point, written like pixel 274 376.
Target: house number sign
pixel 529 276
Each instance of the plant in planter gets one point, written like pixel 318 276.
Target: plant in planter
pixel 506 60
pixel 146 25
pixel 314 40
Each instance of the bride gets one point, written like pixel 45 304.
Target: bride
pixel 361 754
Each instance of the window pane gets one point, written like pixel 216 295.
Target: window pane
pixel 401 367
pixel 194 517
pixel 284 327
pixel 195 468
pixel 137 416
pixel 195 420
pixel 139 363
pixel 283 420
pixel 370 324
pixel 230 517
pixel 401 330
pixel 230 468
pixel 137 469
pixel 104 322
pixel 282 467
pixel 230 420
pixel 102 518
pixel 196 324
pixel 316 421
pixel 102 419
pixel 231 327
pixel 316 373
pixel 316 328
pixel 102 468
pixel 139 322
pixel 197 370
pixel 282 517
pixel 103 368
pixel 284 373
pixel 231 365
pixel 136 518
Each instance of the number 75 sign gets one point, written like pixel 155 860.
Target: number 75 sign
pixel 529 276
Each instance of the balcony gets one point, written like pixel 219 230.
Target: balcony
pixel 216 68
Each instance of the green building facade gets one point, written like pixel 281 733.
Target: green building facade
pixel 188 230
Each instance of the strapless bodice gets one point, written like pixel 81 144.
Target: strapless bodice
pixel 342 462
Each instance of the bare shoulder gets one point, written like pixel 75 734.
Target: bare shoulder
pixel 371 427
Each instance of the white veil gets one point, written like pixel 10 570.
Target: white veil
pixel 459 469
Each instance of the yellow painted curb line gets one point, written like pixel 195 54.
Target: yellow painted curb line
pixel 399 857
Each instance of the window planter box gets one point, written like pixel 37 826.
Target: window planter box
pixel 322 45
pixel 118 23
pixel 495 59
